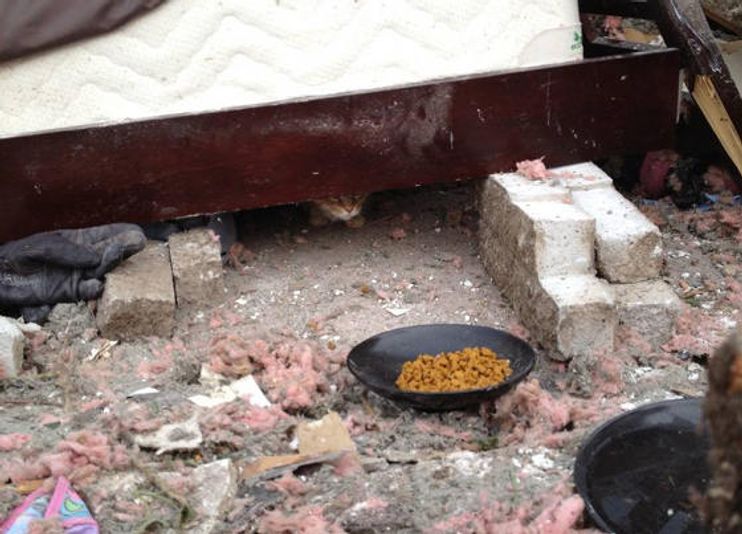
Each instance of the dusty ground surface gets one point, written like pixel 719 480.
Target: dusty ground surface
pixel 306 296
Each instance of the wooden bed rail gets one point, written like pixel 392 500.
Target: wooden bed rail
pixel 435 132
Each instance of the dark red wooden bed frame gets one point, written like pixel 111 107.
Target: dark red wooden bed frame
pixel 245 158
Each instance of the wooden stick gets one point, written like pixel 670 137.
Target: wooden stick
pixel 707 98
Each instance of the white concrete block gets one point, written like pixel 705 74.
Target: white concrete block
pixel 139 299
pixel 557 237
pixel 197 266
pixel 519 188
pixel 545 237
pixel 579 313
pixel 628 245
pixel 580 177
pixel 649 308
pixel 541 239
pixel 11 348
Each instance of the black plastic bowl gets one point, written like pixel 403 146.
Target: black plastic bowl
pixel 636 471
pixel 377 361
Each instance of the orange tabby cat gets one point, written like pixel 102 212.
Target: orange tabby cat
pixel 345 208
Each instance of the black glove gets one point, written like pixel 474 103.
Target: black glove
pixel 62 266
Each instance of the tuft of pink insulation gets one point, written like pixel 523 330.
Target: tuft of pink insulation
pixel 163 358
pixel 348 464
pixel 734 292
pixel 229 422
pixel 289 485
pixel 77 457
pixel 397 234
pixel 293 374
pixel 262 419
pixel 529 402
pixel 533 169
pixel 654 170
pixel 235 357
pixel 432 427
pixel 359 421
pixel 373 503
pixel 696 332
pixel 560 517
pixel 14 441
pixel 304 520
pixel 530 414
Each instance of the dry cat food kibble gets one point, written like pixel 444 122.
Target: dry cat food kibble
pixel 468 368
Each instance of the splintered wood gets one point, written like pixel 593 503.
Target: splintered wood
pixel 708 100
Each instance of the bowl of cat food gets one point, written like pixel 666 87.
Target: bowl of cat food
pixel 438 367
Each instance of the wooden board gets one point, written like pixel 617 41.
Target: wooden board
pixel 397 138
pixel 684 25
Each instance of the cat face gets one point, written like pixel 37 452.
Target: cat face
pixel 342 208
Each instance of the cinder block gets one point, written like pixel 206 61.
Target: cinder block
pixel 197 266
pixel 571 315
pixel 555 239
pixel 138 299
pixel 546 238
pixel 649 308
pixel 516 188
pixel 11 348
pixel 540 240
pixel 628 245
pixel 581 177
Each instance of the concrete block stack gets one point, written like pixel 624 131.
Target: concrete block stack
pixel 575 258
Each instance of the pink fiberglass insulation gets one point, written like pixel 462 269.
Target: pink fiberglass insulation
pixel 261 419
pixel 696 332
pixel 14 441
pixel 734 292
pixel 558 515
pixel 533 169
pixel 158 365
pixel 373 503
pixel 732 218
pixel 719 180
pixel 289 485
pixel 76 457
pixel 138 418
pixel 162 359
pixel 348 464
pixel 359 421
pixel 229 422
pixel 304 520
pixel 654 171
pixel 432 427
pixel 290 373
pixel 721 219
pixel 233 356
pixel 531 414
pixel 293 374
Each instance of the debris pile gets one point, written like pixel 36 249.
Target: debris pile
pixel 246 419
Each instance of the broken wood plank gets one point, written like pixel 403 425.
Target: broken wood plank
pixel 281 153
pixel 707 98
pixel 684 25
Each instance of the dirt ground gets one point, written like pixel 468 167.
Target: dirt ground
pixel 306 296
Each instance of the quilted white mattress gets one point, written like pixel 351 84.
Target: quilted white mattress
pixel 194 55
